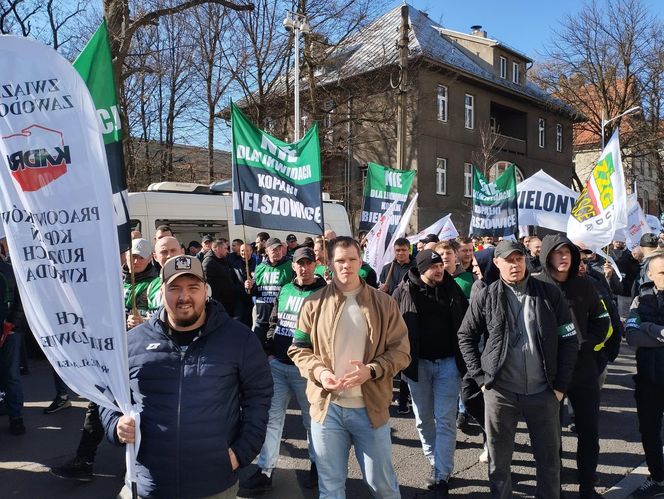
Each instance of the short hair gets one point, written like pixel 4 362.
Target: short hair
pixel 307 243
pixel 464 240
pixel 444 246
pixel 164 228
pixel 263 236
pixel 342 242
pixel 219 242
pixel 238 241
pixel 655 255
pixel 402 241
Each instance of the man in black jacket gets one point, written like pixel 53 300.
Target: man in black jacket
pixel 645 331
pixel 204 387
pixel 394 272
pixel 286 376
pixel 524 369
pixel 226 286
pixel 560 266
pixel 433 306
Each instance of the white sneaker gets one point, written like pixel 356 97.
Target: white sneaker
pixel 484 456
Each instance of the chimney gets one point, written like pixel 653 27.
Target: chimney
pixel 477 31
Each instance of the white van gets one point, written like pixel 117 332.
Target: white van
pixel 195 210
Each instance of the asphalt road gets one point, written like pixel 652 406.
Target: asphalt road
pixel 51 439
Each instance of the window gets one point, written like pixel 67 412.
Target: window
pixel 559 137
pixel 493 124
pixel 541 131
pixel 441 176
pixel 470 111
pixel 515 72
pixel 503 67
pixel 467 180
pixel 442 103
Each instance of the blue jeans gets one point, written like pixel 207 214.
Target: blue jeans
pixel 435 395
pixel 10 375
pixel 287 382
pixel 373 449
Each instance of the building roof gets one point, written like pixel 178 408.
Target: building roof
pixel 374 47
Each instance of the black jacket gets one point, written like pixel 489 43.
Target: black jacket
pixel 644 329
pixel 589 313
pixel 448 293
pixel 629 268
pixel 196 404
pixel 226 286
pixel 398 273
pixel 487 316
pixel 612 345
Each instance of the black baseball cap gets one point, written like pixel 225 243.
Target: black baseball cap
pixel 291 237
pixel 506 247
pixel 304 252
pixel 649 241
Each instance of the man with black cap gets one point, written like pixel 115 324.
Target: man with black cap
pixel 270 276
pixel 204 386
pixel 286 376
pixel 560 266
pixel 206 245
pixel 524 369
pixel 433 306
pixel 291 243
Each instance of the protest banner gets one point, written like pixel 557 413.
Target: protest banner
pixel 383 186
pixel 95 65
pixel 57 211
pixel 276 185
pixel 494 209
pixel 654 224
pixel 601 208
pixel 637 225
pixel 544 202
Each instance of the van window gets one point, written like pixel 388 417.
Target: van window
pixel 194 230
pixel 135 224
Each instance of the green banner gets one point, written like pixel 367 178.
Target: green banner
pixel 383 186
pixel 494 210
pixel 95 65
pixel 276 185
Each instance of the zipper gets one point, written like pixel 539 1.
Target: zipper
pixel 177 430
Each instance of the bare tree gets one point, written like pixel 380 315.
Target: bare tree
pixel 490 144
pixel 604 60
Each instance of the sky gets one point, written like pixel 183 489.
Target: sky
pixel 525 25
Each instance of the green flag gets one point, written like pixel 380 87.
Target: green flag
pixel 95 65
pixel 276 185
pixel 494 205
pixel 383 186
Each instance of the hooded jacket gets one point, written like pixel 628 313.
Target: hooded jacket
pixel 226 287
pixel 410 294
pixel 589 313
pixel 195 404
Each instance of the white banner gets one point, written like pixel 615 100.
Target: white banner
pixel 601 208
pixel 434 228
pixel 57 212
pixel 544 202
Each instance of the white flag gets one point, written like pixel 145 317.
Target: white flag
pixel 601 208
pixel 637 225
pixel 434 228
pixel 448 231
pixel 57 212
pixel 400 232
pixel 377 237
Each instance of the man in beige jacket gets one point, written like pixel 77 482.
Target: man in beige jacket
pixel 349 343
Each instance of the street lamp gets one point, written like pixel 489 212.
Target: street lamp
pixel 298 23
pixel 631 110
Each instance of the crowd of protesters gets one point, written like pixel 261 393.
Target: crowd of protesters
pixel 472 329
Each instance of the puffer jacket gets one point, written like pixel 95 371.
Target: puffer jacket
pixel 487 316
pixel 195 405
pixel 448 294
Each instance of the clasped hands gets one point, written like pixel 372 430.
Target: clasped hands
pixel 354 378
